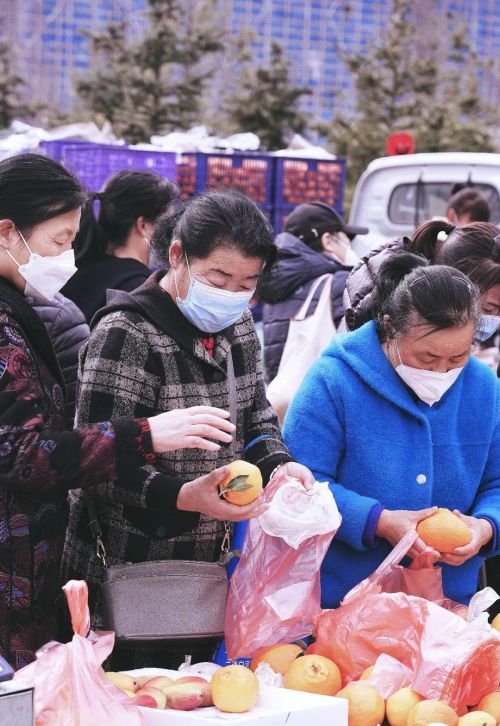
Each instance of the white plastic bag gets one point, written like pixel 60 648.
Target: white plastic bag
pixel 295 514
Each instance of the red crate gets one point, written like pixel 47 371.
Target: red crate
pixel 309 180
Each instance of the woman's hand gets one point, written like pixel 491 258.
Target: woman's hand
pixel 198 427
pixel 202 495
pixel 395 523
pixel 296 471
pixel 482 532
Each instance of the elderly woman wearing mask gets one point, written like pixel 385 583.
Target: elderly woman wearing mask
pixel 399 418
pixel 173 343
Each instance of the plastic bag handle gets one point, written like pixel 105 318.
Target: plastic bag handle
pixel 396 555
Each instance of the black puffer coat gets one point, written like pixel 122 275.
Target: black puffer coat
pixel 360 285
pixel 287 289
pixel 68 331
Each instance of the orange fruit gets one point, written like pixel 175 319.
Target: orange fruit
pixel 477 718
pixel 490 704
pixel 313 674
pixel 242 484
pixel 399 705
pixel 235 689
pixel 444 531
pixel 366 705
pixel 427 712
pixel 279 657
pixel 495 623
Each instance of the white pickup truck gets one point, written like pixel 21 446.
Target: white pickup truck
pixel 396 193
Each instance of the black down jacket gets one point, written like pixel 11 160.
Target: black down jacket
pixel 286 290
pixel 68 331
pixel 360 285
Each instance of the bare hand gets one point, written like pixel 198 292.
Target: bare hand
pixel 198 427
pixel 297 471
pixel 482 532
pixel 202 495
pixel 394 524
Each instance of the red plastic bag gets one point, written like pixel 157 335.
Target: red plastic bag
pixel 70 685
pixel 449 658
pixel 274 596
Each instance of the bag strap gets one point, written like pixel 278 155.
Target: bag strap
pixel 304 308
pixel 95 527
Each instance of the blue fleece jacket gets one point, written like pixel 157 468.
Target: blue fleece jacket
pixel 356 424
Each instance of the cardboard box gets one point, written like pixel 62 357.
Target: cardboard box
pixel 16 705
pixel 275 706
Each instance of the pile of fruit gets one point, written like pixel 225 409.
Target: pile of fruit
pixel 233 689
pixel 315 673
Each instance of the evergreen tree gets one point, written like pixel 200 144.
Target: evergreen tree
pixel 415 79
pixel 154 85
pixel 11 106
pixel 266 102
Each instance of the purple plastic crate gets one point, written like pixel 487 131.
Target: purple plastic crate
pixel 252 174
pixel 55 148
pixel 94 163
pixel 309 180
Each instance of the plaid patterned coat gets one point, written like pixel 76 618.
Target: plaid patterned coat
pixel 39 463
pixel 144 357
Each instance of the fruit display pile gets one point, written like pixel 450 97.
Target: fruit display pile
pixel 233 689
pixel 315 673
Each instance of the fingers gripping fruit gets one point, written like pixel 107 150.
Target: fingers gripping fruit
pixel 444 531
pixel 242 484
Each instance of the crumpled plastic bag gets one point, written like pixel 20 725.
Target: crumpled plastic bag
pixel 295 514
pixel 70 685
pixel 449 658
pixel 274 594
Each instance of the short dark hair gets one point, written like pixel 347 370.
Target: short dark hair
pixel 470 201
pixel 475 250
pixel 408 287
pixel 126 196
pixel 35 188
pixel 212 220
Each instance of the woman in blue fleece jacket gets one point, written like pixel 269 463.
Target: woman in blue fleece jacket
pixel 399 418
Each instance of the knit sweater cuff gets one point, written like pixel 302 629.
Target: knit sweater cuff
pixel 370 529
pixel 161 497
pixel 134 446
pixel 260 452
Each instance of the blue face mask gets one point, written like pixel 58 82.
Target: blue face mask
pixel 210 309
pixel 487 326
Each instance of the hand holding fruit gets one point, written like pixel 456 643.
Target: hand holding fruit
pixel 294 470
pixel 394 524
pixel 202 495
pixel 198 427
pixel 482 532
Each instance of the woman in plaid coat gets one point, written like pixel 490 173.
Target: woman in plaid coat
pixel 166 345
pixel 40 205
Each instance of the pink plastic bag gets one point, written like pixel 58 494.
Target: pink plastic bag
pixel 70 685
pixel 449 658
pixel 274 596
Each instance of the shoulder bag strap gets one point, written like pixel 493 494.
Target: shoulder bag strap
pixel 304 308
pixel 95 527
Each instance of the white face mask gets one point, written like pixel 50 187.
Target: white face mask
pixel 351 259
pixel 487 326
pixel 429 386
pixel 45 276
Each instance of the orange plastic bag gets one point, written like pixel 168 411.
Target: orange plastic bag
pixel 70 685
pixel 449 658
pixel 274 595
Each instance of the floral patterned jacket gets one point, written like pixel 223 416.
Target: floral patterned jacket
pixel 39 463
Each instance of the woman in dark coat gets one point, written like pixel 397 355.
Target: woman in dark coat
pixel 113 251
pixel 40 461
pixel 177 337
